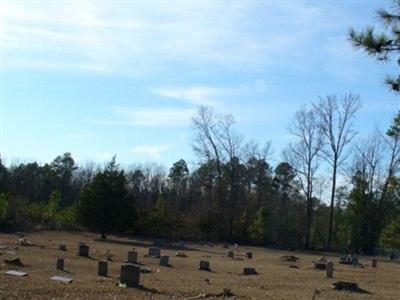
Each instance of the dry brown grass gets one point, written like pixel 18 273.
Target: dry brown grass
pixel 276 280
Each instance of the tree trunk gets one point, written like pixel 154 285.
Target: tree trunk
pixel 329 241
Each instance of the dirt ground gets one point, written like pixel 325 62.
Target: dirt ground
pixel 182 280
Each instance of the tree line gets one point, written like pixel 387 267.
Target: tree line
pixel 330 190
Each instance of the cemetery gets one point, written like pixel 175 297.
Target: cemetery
pixel 81 269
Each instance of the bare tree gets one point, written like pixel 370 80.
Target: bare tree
pixel 206 142
pixel 216 140
pixel 303 157
pixel 335 121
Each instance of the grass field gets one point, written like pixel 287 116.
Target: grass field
pixel 182 280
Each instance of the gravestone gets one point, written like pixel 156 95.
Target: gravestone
pixel 61 279
pixel 155 252
pixel 164 260
pixel 60 264
pixel 16 273
pixel 62 247
pixel 130 275
pixel 249 255
pixel 354 262
pixel 374 263
pixel 204 265
pixel 132 257
pixel 102 268
pixel 83 250
pixel 227 292
pixel 249 271
pixel 329 269
pixel 231 254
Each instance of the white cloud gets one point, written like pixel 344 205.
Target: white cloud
pixel 138 39
pixel 147 117
pixel 199 95
pixel 154 152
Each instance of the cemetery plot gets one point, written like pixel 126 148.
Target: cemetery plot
pixel 272 274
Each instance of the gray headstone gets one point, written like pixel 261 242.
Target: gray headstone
pixel 249 271
pixel 249 255
pixel 374 263
pixel 130 275
pixel 231 254
pixel 60 264
pixel 83 250
pixel 102 268
pixel 164 260
pixel 354 262
pixel 62 247
pixel 204 265
pixel 153 251
pixel 132 257
pixel 329 269
pixel 227 292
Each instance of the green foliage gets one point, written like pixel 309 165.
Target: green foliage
pixel 3 208
pixel 382 45
pixel 258 230
pixel 390 237
pixel 51 210
pixel 105 204
pixel 160 221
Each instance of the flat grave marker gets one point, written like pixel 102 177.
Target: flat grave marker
pixel 61 279
pixel 16 273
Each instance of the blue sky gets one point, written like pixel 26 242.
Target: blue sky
pixel 98 78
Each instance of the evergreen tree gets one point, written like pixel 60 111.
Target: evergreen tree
pixel 105 204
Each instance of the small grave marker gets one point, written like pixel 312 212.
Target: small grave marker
pixel 204 265
pixel 155 252
pixel 16 273
pixel 84 250
pixel 62 247
pixel 374 263
pixel 231 254
pixel 180 254
pixel 329 269
pixel 61 279
pixel 249 255
pixel 355 262
pixel 164 260
pixel 249 271
pixel 14 261
pixel 132 257
pixel 227 292
pixel 130 275
pixel 60 264
pixel 102 268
